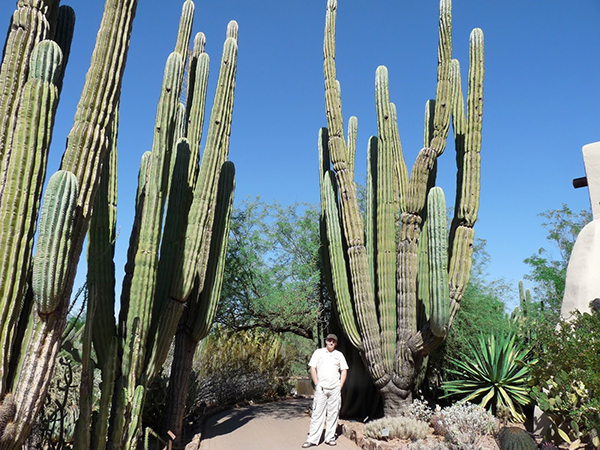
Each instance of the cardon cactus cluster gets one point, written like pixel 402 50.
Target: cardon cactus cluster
pixel 178 241
pixel 34 318
pixel 197 199
pixel 396 275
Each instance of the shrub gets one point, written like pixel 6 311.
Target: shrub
pixel 496 376
pixel 566 380
pixel 399 428
pixel 419 409
pixel 463 424
pixel 229 369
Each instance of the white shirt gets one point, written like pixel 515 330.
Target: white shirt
pixel 328 365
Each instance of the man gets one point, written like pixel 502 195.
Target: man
pixel 328 369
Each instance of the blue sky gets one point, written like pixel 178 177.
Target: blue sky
pixel 541 97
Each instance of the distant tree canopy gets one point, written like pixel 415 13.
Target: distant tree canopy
pixel 272 274
pixel 547 273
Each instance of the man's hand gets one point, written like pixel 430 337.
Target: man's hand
pixel 313 375
pixel 343 375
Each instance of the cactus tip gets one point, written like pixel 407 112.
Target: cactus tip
pixel 233 30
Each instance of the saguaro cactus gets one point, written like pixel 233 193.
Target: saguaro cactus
pixel 396 276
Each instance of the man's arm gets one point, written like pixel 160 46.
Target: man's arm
pixel 313 374
pixel 343 375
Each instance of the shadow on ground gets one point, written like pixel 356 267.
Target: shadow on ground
pixel 230 421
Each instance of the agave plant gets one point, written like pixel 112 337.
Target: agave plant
pixel 496 376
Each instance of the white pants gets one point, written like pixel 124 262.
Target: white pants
pixel 326 407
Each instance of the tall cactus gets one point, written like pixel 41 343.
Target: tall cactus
pixel 25 174
pixel 30 342
pixel 167 264
pixel 397 277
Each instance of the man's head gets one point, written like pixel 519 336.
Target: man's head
pixel 331 342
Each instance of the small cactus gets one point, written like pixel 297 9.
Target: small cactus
pixel 514 438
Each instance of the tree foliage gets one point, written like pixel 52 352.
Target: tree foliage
pixel 272 274
pixel 566 382
pixel 548 273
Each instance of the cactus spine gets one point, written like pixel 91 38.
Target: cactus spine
pixel 398 278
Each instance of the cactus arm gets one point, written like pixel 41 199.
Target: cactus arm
pixel 399 163
pixel 351 146
pixel 443 95
pixel 178 133
pixel 215 153
pixel 64 35
pixel 107 386
pixel 339 276
pixel 208 299
pixel 353 227
pixel 25 175
pixel 83 425
pixel 470 195
pixel 96 107
pixel 438 257
pixel 143 279
pixel 428 125
pixel 100 328
pixel 101 249
pixel 167 313
pixel 371 207
pixel 29 25
pixel 134 424
pixel 197 102
pixel 48 279
pixel 387 207
pixel 462 240
pixel 55 235
pixel 332 248
pixel 184 31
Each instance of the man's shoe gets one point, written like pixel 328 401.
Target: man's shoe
pixel 332 443
pixel 308 445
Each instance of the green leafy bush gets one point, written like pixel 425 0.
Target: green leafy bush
pixel 566 378
pixel 237 367
pixel 228 369
pixel 495 376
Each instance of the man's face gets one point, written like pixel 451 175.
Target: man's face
pixel 330 344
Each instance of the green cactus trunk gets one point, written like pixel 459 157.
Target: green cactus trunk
pixel 22 190
pixel 48 281
pixel 129 357
pixel 156 291
pixel 200 314
pixel 397 277
pixel 52 280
